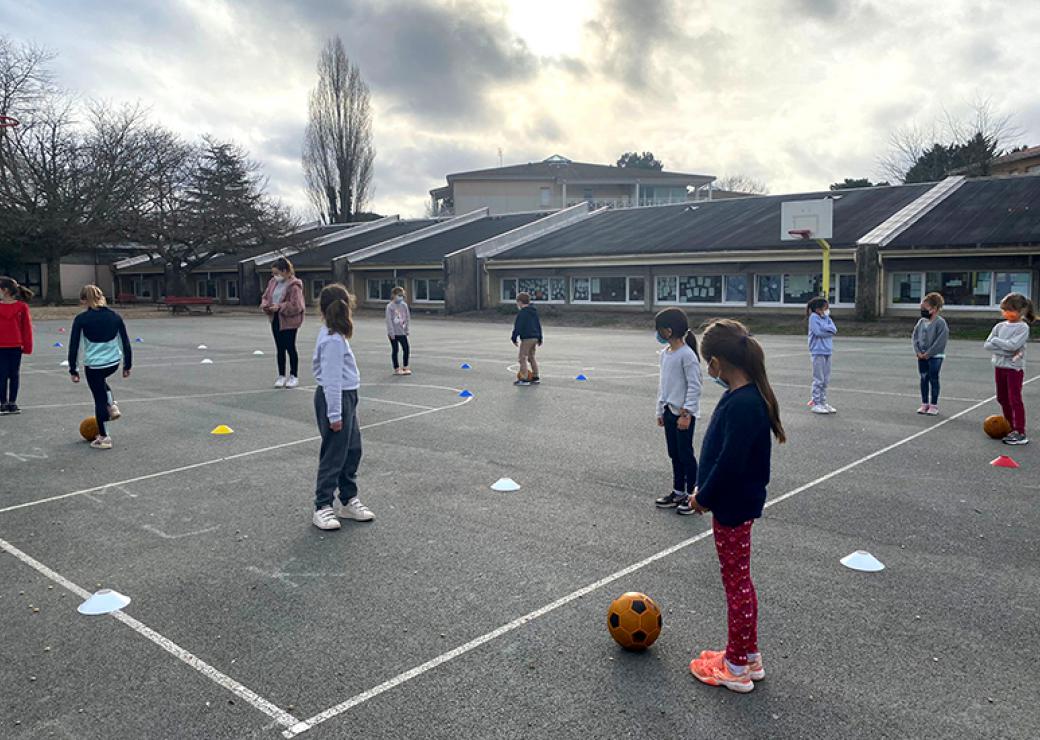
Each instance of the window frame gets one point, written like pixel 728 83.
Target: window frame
pixel 318 285
pixel 516 288
pixel 922 277
pixel 231 285
pixel 723 280
pixel 394 282
pixel 427 281
pixel 627 291
pixel 838 301
pixel 202 288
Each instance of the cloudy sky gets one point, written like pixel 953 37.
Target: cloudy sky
pixel 797 93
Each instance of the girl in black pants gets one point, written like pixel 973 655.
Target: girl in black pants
pixel 16 339
pixel 105 345
pixel 284 305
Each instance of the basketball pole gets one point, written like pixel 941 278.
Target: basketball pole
pixel 826 267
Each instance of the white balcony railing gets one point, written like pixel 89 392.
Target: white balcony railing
pixel 626 202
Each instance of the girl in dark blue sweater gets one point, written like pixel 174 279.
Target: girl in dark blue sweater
pixel 731 484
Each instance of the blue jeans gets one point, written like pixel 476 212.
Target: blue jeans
pixel 929 370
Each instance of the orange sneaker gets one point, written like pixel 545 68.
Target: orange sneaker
pixel 757 671
pixel 714 672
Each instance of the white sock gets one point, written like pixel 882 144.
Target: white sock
pixel 754 657
pixel 736 670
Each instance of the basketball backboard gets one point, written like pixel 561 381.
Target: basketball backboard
pixel 814 216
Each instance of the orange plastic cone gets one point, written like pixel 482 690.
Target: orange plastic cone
pixel 1004 462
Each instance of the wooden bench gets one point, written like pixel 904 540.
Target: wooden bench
pixel 178 303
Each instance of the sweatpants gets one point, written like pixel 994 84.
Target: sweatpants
pixel 340 451
pixel 821 378
pixel 399 340
pixel 97 381
pixel 680 450
pixel 528 347
pixel 285 344
pixel 929 371
pixel 1009 396
pixel 10 366
pixel 733 545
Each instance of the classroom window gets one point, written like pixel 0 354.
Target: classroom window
pixel 906 287
pixel 545 196
pixel 847 289
pixel 231 289
pixel 769 288
pixel 702 289
pixel 141 287
pixel 636 289
pixel 206 288
pixel 316 287
pixel 964 289
pixel 1012 282
pixel 541 289
pixel 736 289
pixel 797 289
pixel 379 289
pixel 608 289
pixel 428 290
pixel 666 289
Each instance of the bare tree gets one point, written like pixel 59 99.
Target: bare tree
pixel 741 184
pixel 25 77
pixel 338 154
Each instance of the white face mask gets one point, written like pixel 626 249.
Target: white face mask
pixel 398 299
pixel 826 312
pixel 280 278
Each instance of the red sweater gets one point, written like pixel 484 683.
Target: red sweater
pixel 16 326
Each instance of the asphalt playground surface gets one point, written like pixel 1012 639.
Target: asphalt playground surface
pixel 462 612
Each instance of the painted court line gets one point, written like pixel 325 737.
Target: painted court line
pixel 429 665
pixel 215 461
pixel 831 388
pixel 280 716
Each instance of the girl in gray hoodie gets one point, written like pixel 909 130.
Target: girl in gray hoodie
pixel 1007 342
pixel 929 340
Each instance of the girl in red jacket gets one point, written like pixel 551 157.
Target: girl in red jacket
pixel 284 305
pixel 16 339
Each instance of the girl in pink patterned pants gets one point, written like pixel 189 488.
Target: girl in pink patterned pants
pixel 731 484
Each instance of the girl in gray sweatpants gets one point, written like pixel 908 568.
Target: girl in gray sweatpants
pixel 335 406
pixel 821 346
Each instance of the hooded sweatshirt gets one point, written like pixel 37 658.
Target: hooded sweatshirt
pixel 291 308
pixel 398 317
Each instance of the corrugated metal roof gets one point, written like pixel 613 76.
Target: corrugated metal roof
pixel 991 211
pixel 577 171
pixel 432 249
pixel 322 256
pixel 738 224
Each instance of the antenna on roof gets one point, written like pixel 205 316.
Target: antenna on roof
pixel 500 156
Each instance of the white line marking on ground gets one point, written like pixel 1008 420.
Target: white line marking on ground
pixel 282 717
pixel 429 665
pixel 808 389
pixel 238 456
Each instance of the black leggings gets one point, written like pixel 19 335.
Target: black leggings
pixel 96 379
pixel 10 364
pixel 285 343
pixel 402 341
pixel 680 450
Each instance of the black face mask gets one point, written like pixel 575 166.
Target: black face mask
pixel 925 313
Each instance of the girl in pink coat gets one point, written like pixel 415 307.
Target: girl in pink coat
pixel 283 303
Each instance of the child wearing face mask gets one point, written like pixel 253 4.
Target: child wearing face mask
pixel 1007 342
pixel 398 319
pixel 678 401
pixel 929 340
pixel 731 483
pixel 821 346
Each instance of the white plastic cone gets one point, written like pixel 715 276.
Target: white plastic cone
pixel 202 346
pixel 104 601
pixel 862 560
pixel 506 485
pixel 258 352
pixel 64 363
pixel 207 361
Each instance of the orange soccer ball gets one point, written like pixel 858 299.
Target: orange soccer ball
pixel 88 429
pixel 634 621
pixel 996 426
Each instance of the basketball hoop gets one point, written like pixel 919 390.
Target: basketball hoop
pixel 8 122
pixel 802 233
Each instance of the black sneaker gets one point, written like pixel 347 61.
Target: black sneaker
pixel 521 382
pixel 670 500
pixel 3 409
pixel 535 380
pixel 1016 438
pixel 684 509
pixel 12 408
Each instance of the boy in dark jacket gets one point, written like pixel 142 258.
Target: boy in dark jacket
pixel 528 330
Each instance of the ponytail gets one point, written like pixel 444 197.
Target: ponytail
pixel 675 319
pixel 337 305
pixel 19 292
pixel 731 341
pixel 1018 302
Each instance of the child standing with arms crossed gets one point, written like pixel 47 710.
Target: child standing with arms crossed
pixel 678 401
pixel 731 484
pixel 398 319
pixel 105 345
pixel 16 339
pixel 929 340
pixel 1007 342
pixel 335 406
pixel 821 347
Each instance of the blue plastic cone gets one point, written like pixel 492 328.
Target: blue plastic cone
pixel 581 377
pixel 138 339
pixel 465 394
pixel 57 344
pixel 465 366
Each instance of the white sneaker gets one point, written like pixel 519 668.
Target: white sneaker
pixel 324 518
pixel 102 443
pixel 114 412
pixel 820 409
pixel 292 382
pixel 830 409
pixel 932 410
pixel 279 382
pixel 355 510
pixel 923 409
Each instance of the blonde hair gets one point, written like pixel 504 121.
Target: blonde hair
pixel 92 296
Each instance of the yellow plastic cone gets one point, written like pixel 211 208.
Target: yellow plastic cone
pixel 223 429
